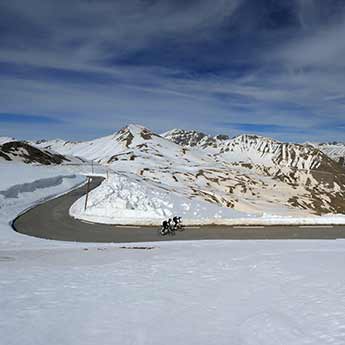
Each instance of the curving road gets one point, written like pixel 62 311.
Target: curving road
pixel 51 220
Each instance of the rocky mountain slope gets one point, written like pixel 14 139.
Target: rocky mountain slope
pixel 335 150
pixel 194 139
pixel 19 151
pixel 247 173
pixel 251 149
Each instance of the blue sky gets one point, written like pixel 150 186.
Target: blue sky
pixel 78 69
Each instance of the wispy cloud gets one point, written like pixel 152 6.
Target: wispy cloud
pixel 262 128
pixel 28 119
pixel 97 65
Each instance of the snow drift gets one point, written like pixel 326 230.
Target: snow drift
pixel 14 191
pixel 125 199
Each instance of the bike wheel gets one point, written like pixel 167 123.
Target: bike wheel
pixel 180 228
pixel 163 232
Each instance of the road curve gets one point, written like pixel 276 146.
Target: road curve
pixel 51 220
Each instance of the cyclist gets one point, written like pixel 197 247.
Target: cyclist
pixel 176 221
pixel 165 225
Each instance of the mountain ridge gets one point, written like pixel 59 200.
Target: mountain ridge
pixel 249 173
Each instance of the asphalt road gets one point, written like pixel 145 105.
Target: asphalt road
pixel 51 220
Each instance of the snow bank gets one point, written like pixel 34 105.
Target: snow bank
pixel 22 186
pixel 268 219
pixel 14 173
pixel 130 200
pixel 14 191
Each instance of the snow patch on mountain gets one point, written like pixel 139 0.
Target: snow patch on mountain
pixel 4 140
pixel 335 151
pixel 194 138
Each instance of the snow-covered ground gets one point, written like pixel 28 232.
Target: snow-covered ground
pixel 210 292
pixel 19 173
pixel 125 199
pixel 206 292
pixel 24 185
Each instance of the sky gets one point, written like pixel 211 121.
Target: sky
pixel 80 69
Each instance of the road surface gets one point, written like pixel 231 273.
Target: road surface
pixel 51 220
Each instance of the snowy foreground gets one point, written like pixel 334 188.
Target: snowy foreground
pixel 206 292
pixel 231 292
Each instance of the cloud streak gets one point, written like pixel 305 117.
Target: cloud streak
pixel 101 64
pixel 27 119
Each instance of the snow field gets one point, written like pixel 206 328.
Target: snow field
pixel 4 140
pixel 207 292
pixel 19 173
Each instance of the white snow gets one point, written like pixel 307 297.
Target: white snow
pixel 4 140
pixel 250 174
pixel 335 151
pixel 24 185
pixel 20 173
pixel 125 198
pixel 128 200
pixel 208 292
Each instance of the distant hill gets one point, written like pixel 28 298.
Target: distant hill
pixel 19 151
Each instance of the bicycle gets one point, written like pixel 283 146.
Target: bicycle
pixel 168 228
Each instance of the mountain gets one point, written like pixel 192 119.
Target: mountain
pixel 194 138
pixel 248 173
pixel 251 149
pixel 131 143
pixel 19 151
pixel 334 150
pixel 4 140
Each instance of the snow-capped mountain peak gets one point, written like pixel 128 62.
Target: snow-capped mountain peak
pixel 133 132
pixel 334 150
pixel 250 148
pixel 247 172
pixel 4 140
pixel 191 138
